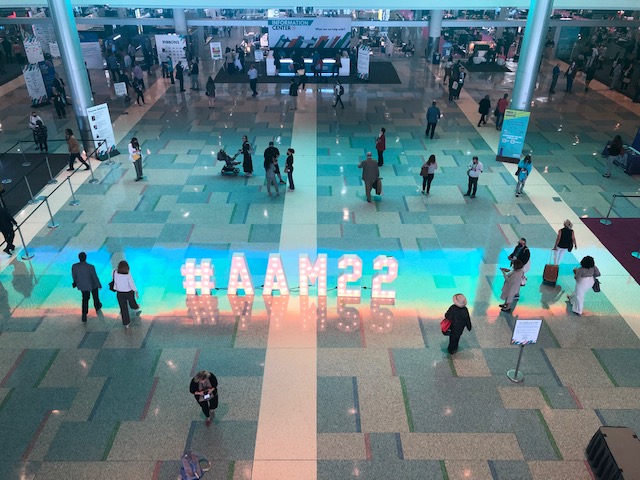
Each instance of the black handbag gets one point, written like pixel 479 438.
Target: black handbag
pixel 112 283
pixel 596 285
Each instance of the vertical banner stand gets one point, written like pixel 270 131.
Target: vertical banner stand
pixel 516 375
pixel 524 333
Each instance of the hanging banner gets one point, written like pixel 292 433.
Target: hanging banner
pixel 513 134
pixel 101 129
pixel 216 50
pixel 363 62
pixel 309 33
pixel 174 46
pixel 54 50
pixel 35 84
pixel 45 35
pixel 33 50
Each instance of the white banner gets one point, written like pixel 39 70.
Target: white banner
pixel 33 50
pixel 363 62
pixel 216 50
pixel 173 45
pixel 54 50
pixel 45 35
pixel 311 33
pixel 92 55
pixel 120 89
pixel 35 84
pixel 101 128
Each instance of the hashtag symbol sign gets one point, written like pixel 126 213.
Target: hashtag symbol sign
pixel 198 276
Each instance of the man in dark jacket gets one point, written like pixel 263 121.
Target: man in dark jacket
pixel 458 314
pixel 522 253
pixel 86 280
pixel 433 115
pixel 6 227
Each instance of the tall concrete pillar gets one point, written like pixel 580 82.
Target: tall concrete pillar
pixel 535 35
pixel 502 15
pixel 64 25
pixel 435 30
pixel 180 21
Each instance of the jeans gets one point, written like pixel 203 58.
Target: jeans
pixel 473 184
pixel 138 166
pixel 520 186
pixel 499 120
pixel 253 84
pixel 426 182
pixel 290 175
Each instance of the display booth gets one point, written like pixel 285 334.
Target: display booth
pixel 286 66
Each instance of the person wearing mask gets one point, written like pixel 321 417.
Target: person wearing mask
pixel 204 387
pixel 427 172
pixel 86 280
pixel 288 169
pixel 521 252
pixel 458 315
pixel 433 115
pixel 126 292
pixel 381 146
pixel 585 276
pixel 565 241
pixel 33 123
pixel 474 169
pixel 135 156
pixel 524 169
pixel 74 150
pixel 616 149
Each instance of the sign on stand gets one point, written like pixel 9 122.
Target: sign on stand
pixel 524 333
pixel 363 62
pixel 216 50
pixel 101 130
pixel 513 134
pixel 35 84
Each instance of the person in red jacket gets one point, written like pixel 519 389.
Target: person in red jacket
pixel 503 103
pixel 381 145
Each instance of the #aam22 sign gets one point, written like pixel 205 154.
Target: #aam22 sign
pixel 201 276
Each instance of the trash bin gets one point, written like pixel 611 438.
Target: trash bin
pixel 436 59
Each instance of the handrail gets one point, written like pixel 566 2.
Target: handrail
pixel 606 221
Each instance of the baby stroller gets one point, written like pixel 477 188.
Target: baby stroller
pixel 193 466
pixel 229 167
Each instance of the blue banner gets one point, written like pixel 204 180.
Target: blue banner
pixel 514 131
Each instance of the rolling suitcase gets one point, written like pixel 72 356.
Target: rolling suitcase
pixel 550 273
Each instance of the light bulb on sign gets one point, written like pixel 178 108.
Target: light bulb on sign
pixel 313 273
pixel 275 277
pixel 355 262
pixel 391 264
pixel 198 276
pixel 240 278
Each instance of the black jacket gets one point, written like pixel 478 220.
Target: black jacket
pixel 523 255
pixel 460 319
pixel 6 220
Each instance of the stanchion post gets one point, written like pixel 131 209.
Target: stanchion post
pixel 606 221
pixel 52 223
pixel 32 200
pixel 93 178
pixel 24 159
pixel 51 181
pixel 25 253
pixel 516 375
pixel 74 201
pixel 109 160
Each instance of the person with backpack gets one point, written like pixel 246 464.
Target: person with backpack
pixel 204 387
pixel 338 91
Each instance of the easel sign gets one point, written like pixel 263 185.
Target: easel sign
pixel 524 333
pixel 121 91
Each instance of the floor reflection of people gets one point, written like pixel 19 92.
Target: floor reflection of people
pixel 23 278
pixel 550 295
pixel 5 308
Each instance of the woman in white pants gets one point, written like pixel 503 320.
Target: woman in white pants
pixel 585 278
pixel 565 241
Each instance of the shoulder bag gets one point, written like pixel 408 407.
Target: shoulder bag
pixel 112 283
pixel 445 326
pixel 596 284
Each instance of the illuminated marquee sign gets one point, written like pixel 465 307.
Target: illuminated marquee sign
pixel 200 276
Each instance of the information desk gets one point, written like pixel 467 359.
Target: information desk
pixel 629 162
pixel 286 67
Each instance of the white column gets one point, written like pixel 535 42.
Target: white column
pixel 179 21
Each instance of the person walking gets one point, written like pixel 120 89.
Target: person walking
pixel 474 169
pixel 210 91
pixel 247 161
pixel 194 72
pixel 138 87
pixel 138 76
pixel 338 91
pixel 565 241
pixel 270 171
pixel 448 65
pixel 135 156
pixel 288 168
pixel 253 79
pixel 293 93
pixel 458 314
pixel 370 174
pixel 433 115
pixel 41 136
pixel 7 223
pixel 524 169
pixel 381 146
pixel 126 292
pixel 627 75
pixel 484 107
pixel 60 86
pixel 204 387
pixel 427 172
pixel 617 74
pixel 555 74
pixel 512 283
pixel 33 123
pixel 228 58
pixel 501 107
pixel 74 150
pixel 570 75
pixel 590 75
pixel 180 75
pixel 616 149
pixel 86 280
pixel 585 276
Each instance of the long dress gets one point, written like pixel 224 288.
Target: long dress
pixel 512 284
pixel 247 162
pixel 585 278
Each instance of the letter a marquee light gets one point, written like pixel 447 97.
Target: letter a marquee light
pixel 239 276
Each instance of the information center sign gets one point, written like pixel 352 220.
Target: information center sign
pixel 310 33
